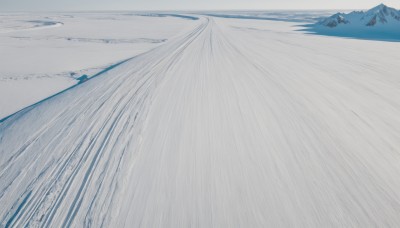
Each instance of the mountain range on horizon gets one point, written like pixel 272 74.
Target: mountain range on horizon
pixel 380 15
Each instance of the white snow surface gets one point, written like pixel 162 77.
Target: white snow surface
pixel 42 54
pixel 231 123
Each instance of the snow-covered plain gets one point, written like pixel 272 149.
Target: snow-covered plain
pixel 41 54
pixel 229 123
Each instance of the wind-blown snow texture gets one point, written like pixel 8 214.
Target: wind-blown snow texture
pixel 232 124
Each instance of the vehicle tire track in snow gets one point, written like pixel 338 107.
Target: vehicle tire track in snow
pixel 132 99
pixel 211 129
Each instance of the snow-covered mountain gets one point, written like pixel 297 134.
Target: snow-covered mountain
pixel 380 15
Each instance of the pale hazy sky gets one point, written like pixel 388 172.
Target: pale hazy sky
pixel 46 5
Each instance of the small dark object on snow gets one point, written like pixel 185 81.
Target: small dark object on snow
pixel 82 78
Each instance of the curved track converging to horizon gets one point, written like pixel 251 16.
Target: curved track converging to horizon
pixel 225 125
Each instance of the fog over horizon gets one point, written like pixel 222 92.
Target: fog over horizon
pixel 63 5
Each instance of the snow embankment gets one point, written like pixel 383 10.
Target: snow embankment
pixel 35 64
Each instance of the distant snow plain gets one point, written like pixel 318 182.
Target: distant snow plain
pixel 215 122
pixel 42 54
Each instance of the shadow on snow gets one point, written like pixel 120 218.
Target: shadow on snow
pixel 81 80
pixel 364 33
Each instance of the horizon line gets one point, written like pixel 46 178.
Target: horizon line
pixel 176 10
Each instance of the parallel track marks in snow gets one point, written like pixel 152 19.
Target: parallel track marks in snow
pixel 208 130
pixel 61 179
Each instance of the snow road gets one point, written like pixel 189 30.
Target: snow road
pixel 233 124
